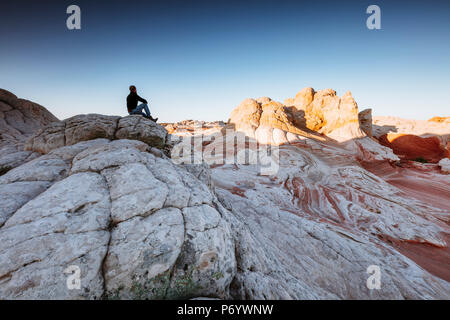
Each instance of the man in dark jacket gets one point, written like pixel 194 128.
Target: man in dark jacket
pixel 134 108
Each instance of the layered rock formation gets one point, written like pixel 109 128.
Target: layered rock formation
pixel 426 141
pixel 103 197
pixel 326 113
pixel 412 147
pixel 330 210
pixel 323 218
pixel 317 114
pixel 309 114
pixel 267 121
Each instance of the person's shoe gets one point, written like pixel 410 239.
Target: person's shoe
pixel 151 118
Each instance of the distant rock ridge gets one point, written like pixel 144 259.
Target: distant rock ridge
pixel 440 119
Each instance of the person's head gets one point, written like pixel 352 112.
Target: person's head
pixel 132 89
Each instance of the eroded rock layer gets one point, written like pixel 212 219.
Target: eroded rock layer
pixel 424 141
pixel 310 114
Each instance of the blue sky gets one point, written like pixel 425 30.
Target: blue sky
pixel 199 59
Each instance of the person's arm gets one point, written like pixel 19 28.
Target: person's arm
pixel 141 99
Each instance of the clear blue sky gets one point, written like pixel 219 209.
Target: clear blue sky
pixel 199 59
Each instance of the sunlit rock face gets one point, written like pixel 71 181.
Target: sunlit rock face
pixel 412 147
pixel 246 117
pixel 426 141
pixel 328 113
pixel 309 114
pixel 267 121
pixel 440 120
pixel 325 112
pixel 304 98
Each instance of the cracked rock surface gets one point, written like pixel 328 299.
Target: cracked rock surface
pixel 96 196
pixel 108 208
pixel 94 126
pixel 19 119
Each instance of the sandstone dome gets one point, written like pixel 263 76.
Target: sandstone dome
pixel 310 114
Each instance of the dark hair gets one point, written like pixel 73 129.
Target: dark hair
pixel 132 88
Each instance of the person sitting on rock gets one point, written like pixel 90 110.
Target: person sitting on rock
pixel 134 108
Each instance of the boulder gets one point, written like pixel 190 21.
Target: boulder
pixel 19 116
pixel 263 100
pixel 246 116
pixel 94 126
pixel 445 165
pixel 142 129
pixel 304 98
pixel 19 119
